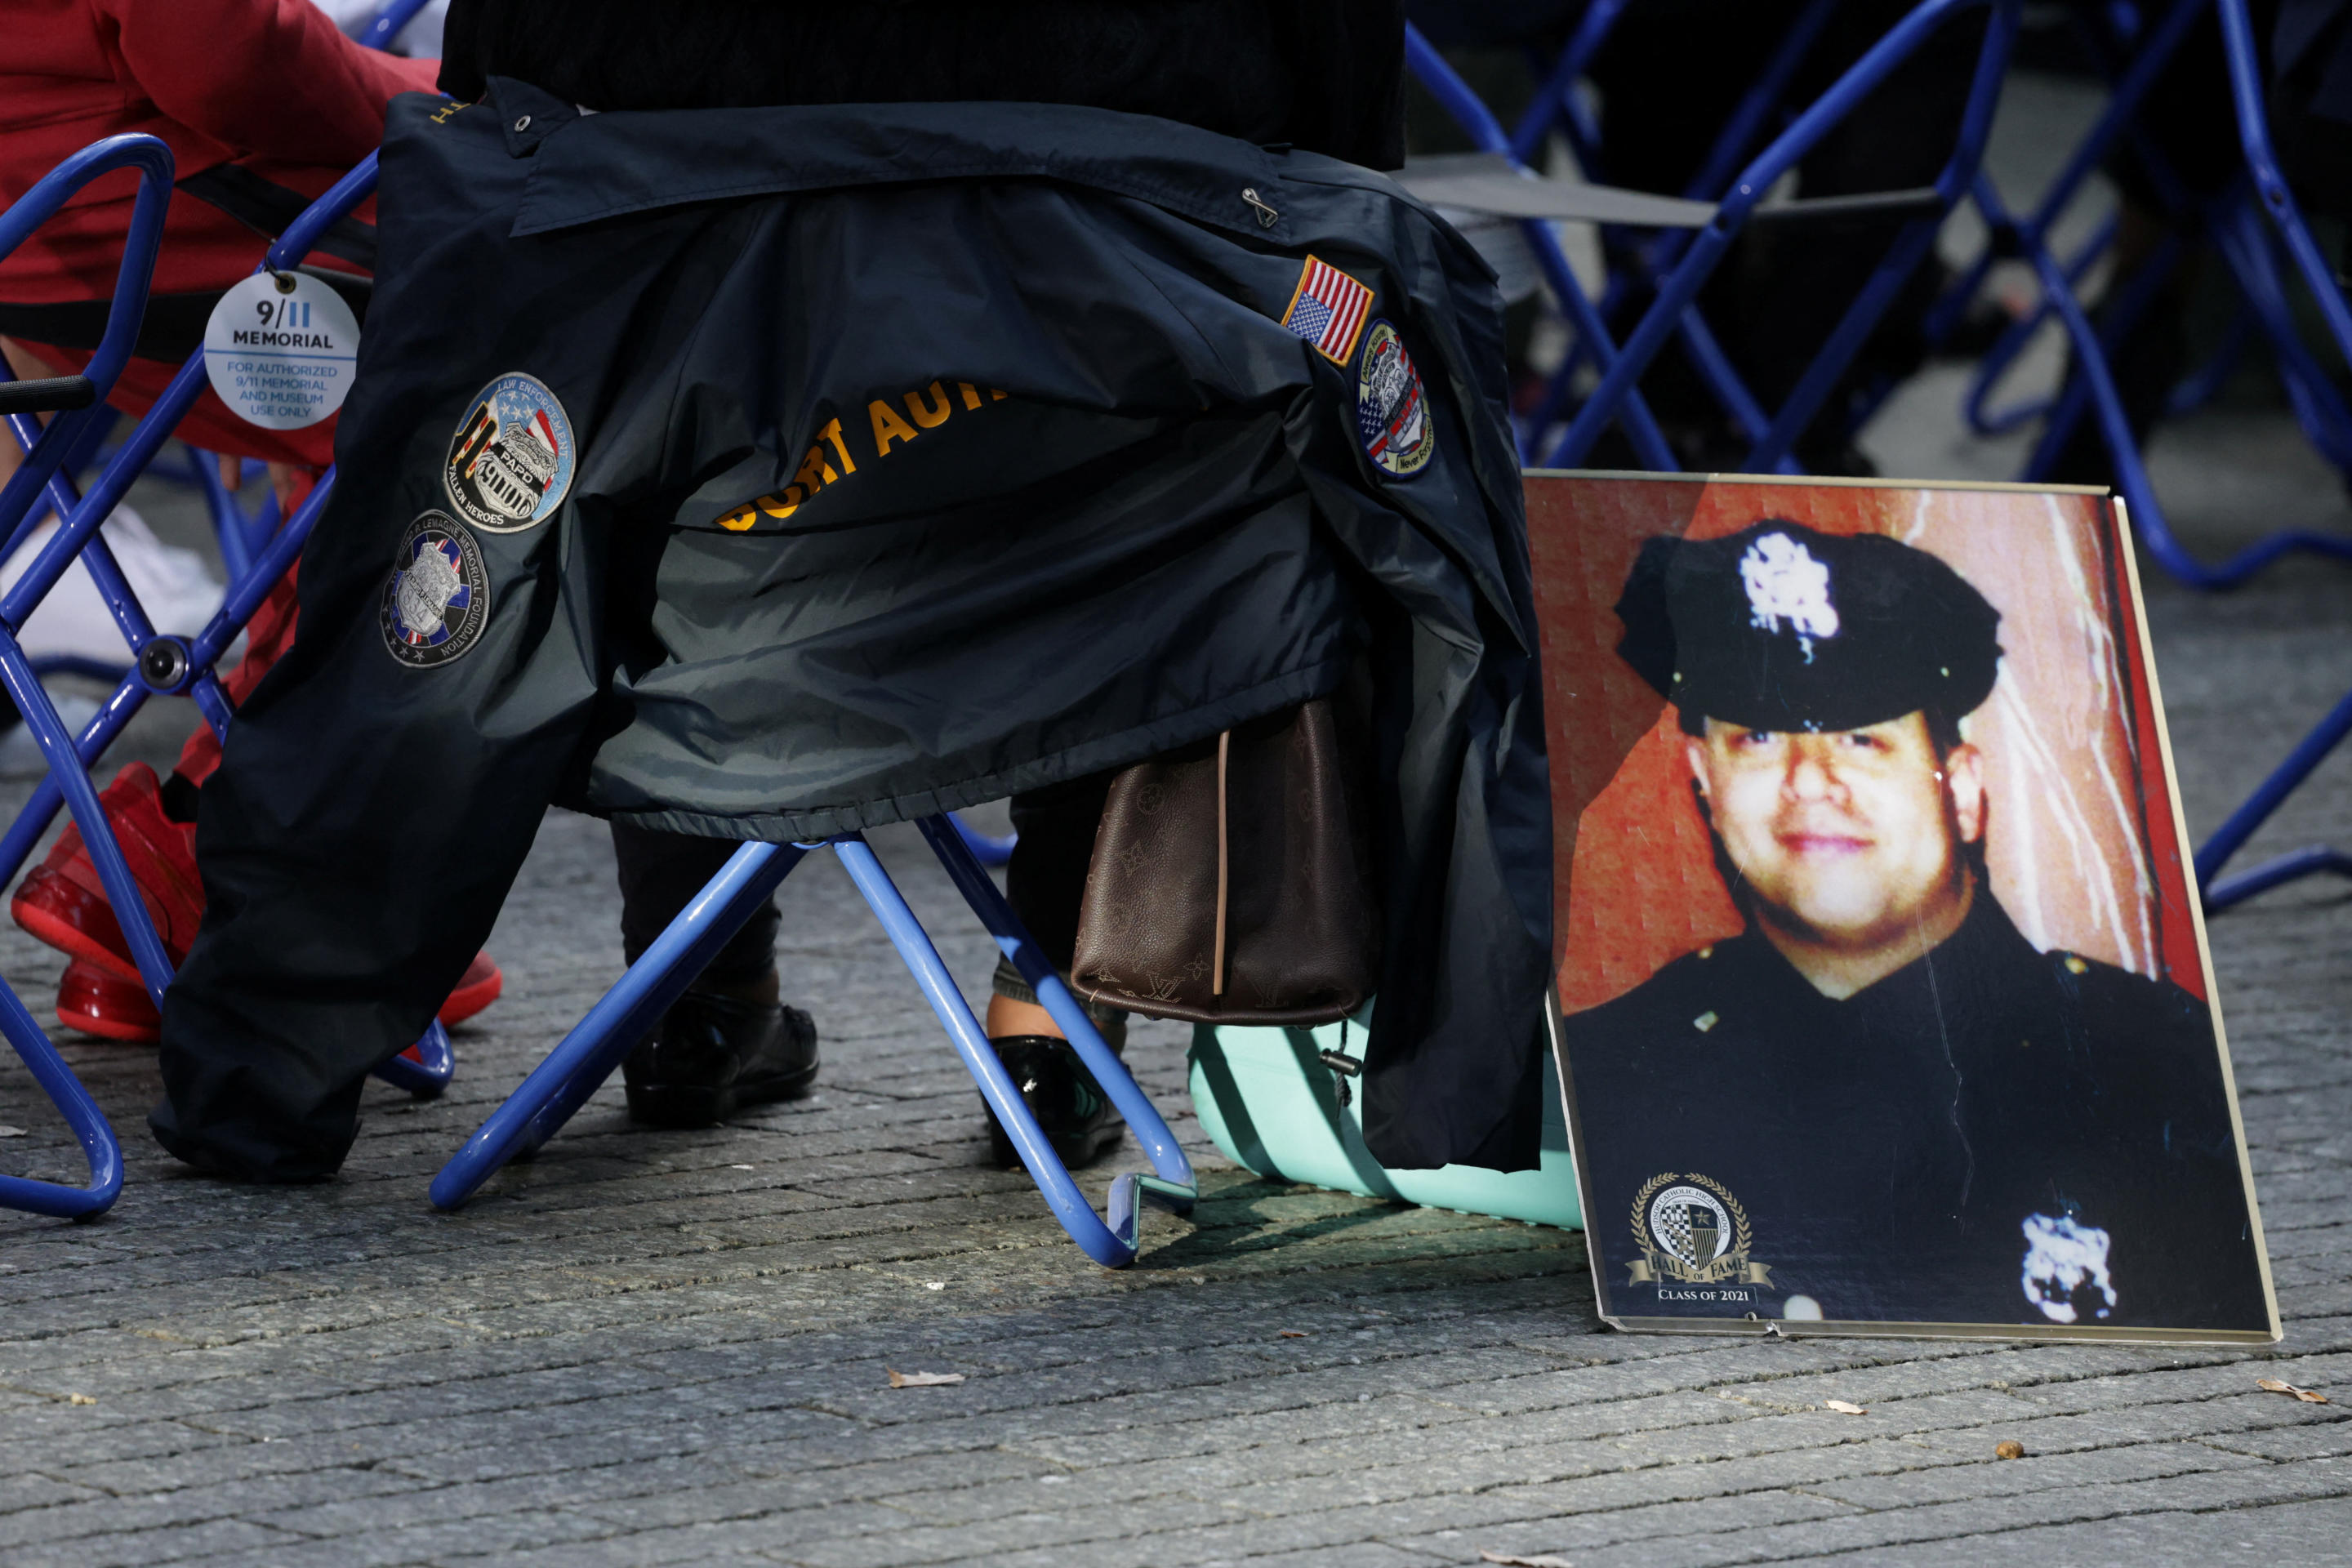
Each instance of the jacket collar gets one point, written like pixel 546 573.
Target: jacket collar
pixel 590 167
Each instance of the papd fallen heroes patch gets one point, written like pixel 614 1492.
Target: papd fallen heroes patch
pixel 438 599
pixel 510 462
pixel 1391 412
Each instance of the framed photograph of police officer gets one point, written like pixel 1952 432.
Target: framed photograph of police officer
pixel 1883 997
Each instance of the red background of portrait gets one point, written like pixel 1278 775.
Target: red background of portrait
pixel 2083 844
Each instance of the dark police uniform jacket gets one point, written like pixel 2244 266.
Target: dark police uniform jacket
pixel 1886 1152
pixel 771 473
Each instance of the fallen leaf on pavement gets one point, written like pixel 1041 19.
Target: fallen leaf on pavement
pixel 1842 1408
pixel 2279 1385
pixel 1508 1561
pixel 80 1399
pixel 2011 1449
pixel 1293 1335
pixel 11 1132
pixel 923 1379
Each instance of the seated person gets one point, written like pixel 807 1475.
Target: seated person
pixel 756 466
pixel 76 71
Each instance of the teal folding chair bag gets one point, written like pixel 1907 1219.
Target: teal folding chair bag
pixel 1271 1100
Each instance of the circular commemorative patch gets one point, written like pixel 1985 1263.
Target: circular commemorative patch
pixel 439 596
pixel 511 462
pixel 1392 411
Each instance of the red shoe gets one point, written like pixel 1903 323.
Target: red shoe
pixel 477 989
pixel 98 1003
pixel 64 904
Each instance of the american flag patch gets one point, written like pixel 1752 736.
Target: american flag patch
pixel 1329 310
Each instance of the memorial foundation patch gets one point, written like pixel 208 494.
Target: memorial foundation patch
pixel 437 601
pixel 510 462
pixel 1392 411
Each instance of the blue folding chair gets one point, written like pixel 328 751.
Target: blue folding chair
pixel 388 21
pixel 240 534
pixel 1709 229
pixel 2250 224
pixel 1638 257
pixel 2219 891
pixel 161 664
pixel 77 402
pixel 586 1056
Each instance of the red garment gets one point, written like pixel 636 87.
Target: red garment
pixel 267 638
pixel 207 425
pixel 270 83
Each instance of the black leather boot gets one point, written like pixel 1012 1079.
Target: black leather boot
pixel 711 1054
pixel 1070 1107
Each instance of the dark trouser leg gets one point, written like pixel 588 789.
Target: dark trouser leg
pixel 660 873
pixel 1045 881
pixel 1046 878
pixel 369 814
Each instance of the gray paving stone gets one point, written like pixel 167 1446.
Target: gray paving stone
pixel 2233 1538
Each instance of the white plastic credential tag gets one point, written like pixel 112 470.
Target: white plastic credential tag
pixel 279 349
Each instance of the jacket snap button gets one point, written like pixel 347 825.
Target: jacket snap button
pixel 523 123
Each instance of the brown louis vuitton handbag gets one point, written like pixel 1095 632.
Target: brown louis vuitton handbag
pixel 1230 881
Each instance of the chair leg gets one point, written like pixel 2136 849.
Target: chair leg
pixel 424 1068
pixel 987 848
pixel 2219 891
pixel 81 1114
pixel 1111 1244
pixel 1013 940
pixel 586 1056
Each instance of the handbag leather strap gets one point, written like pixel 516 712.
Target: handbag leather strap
pixel 1217 957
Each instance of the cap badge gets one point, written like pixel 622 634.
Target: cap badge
pixel 1785 583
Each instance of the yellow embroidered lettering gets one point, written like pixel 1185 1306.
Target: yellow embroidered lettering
pixel 997 392
pixel 831 432
pixel 931 415
pixel 814 470
pixel 971 394
pixel 736 521
pixel 783 505
pixel 887 427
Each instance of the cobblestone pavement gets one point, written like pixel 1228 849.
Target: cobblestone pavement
pixel 669 1347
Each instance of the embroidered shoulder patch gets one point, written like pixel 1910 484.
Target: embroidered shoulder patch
pixel 510 462
pixel 1391 412
pixel 437 601
pixel 1327 309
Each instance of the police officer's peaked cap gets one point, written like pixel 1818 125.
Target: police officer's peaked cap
pixel 1780 626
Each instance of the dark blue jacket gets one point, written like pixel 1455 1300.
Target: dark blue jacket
pixel 910 456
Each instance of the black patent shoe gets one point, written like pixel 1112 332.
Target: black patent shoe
pixel 1070 1107
pixel 711 1054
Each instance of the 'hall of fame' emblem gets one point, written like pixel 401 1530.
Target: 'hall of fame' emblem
pixel 1693 1232
pixel 438 599
pixel 1391 411
pixel 510 462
